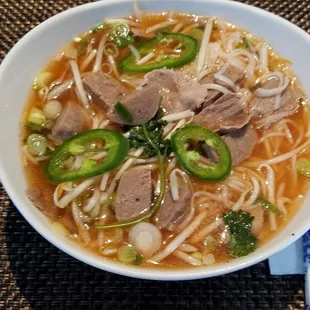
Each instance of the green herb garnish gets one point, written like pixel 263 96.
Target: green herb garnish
pixel 267 205
pixel 244 45
pixel 155 129
pixel 242 242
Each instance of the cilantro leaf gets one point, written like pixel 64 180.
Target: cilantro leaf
pixel 242 242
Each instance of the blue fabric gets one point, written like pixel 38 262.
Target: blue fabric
pixel 291 259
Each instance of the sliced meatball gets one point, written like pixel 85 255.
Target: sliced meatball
pixel 134 195
pixel 69 122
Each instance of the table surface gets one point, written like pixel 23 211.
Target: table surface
pixel 36 275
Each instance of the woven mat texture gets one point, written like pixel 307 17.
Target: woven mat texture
pixel 36 275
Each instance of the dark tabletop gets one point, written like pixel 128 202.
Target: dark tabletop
pixel 36 275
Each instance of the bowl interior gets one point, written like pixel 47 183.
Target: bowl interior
pixel 37 47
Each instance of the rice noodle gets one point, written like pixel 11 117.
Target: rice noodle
pixel 281 204
pixel 190 27
pixel 77 215
pixel 270 181
pixel 122 169
pixel 59 90
pixel 187 258
pixel 271 134
pixel 146 58
pixel 113 65
pixel 93 200
pixel 217 87
pixel 99 57
pixel 104 181
pixel 273 118
pixel 177 27
pixel 110 45
pixel 280 191
pixel 282 157
pixel 240 202
pixel 140 161
pixel 201 234
pixel 66 199
pixel 294 171
pixel 204 45
pixel 161 25
pixel 178 125
pixel 88 59
pixel 174 186
pixel 186 247
pixel 168 127
pixel 225 80
pixel 99 155
pixel 178 116
pixel 263 56
pixel 179 239
pixel 111 21
pixel 135 52
pixel 78 83
pixel 263 92
pixel 77 162
pixel 255 192
pixel 171 165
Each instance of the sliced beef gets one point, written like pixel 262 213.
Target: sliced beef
pixel 133 196
pixel 258 221
pixel 231 72
pixel 105 90
pixel 262 107
pixel 172 212
pixel 241 144
pixel 224 115
pixel 69 122
pixel 142 105
pixel 179 91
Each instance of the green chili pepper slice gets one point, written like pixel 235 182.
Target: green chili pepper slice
pixel 190 160
pixel 115 145
pixel 189 48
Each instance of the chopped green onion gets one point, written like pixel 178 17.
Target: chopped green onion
pixel 42 80
pixel 70 52
pixel 36 144
pixel 52 109
pixel 210 243
pixel 197 255
pixel 244 45
pixel 126 254
pixel 268 206
pixel 33 126
pixel 123 112
pixel 36 117
pixel 120 34
pixel 303 167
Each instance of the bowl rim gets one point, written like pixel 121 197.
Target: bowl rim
pixel 105 264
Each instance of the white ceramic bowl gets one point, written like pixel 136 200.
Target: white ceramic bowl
pixel 33 51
